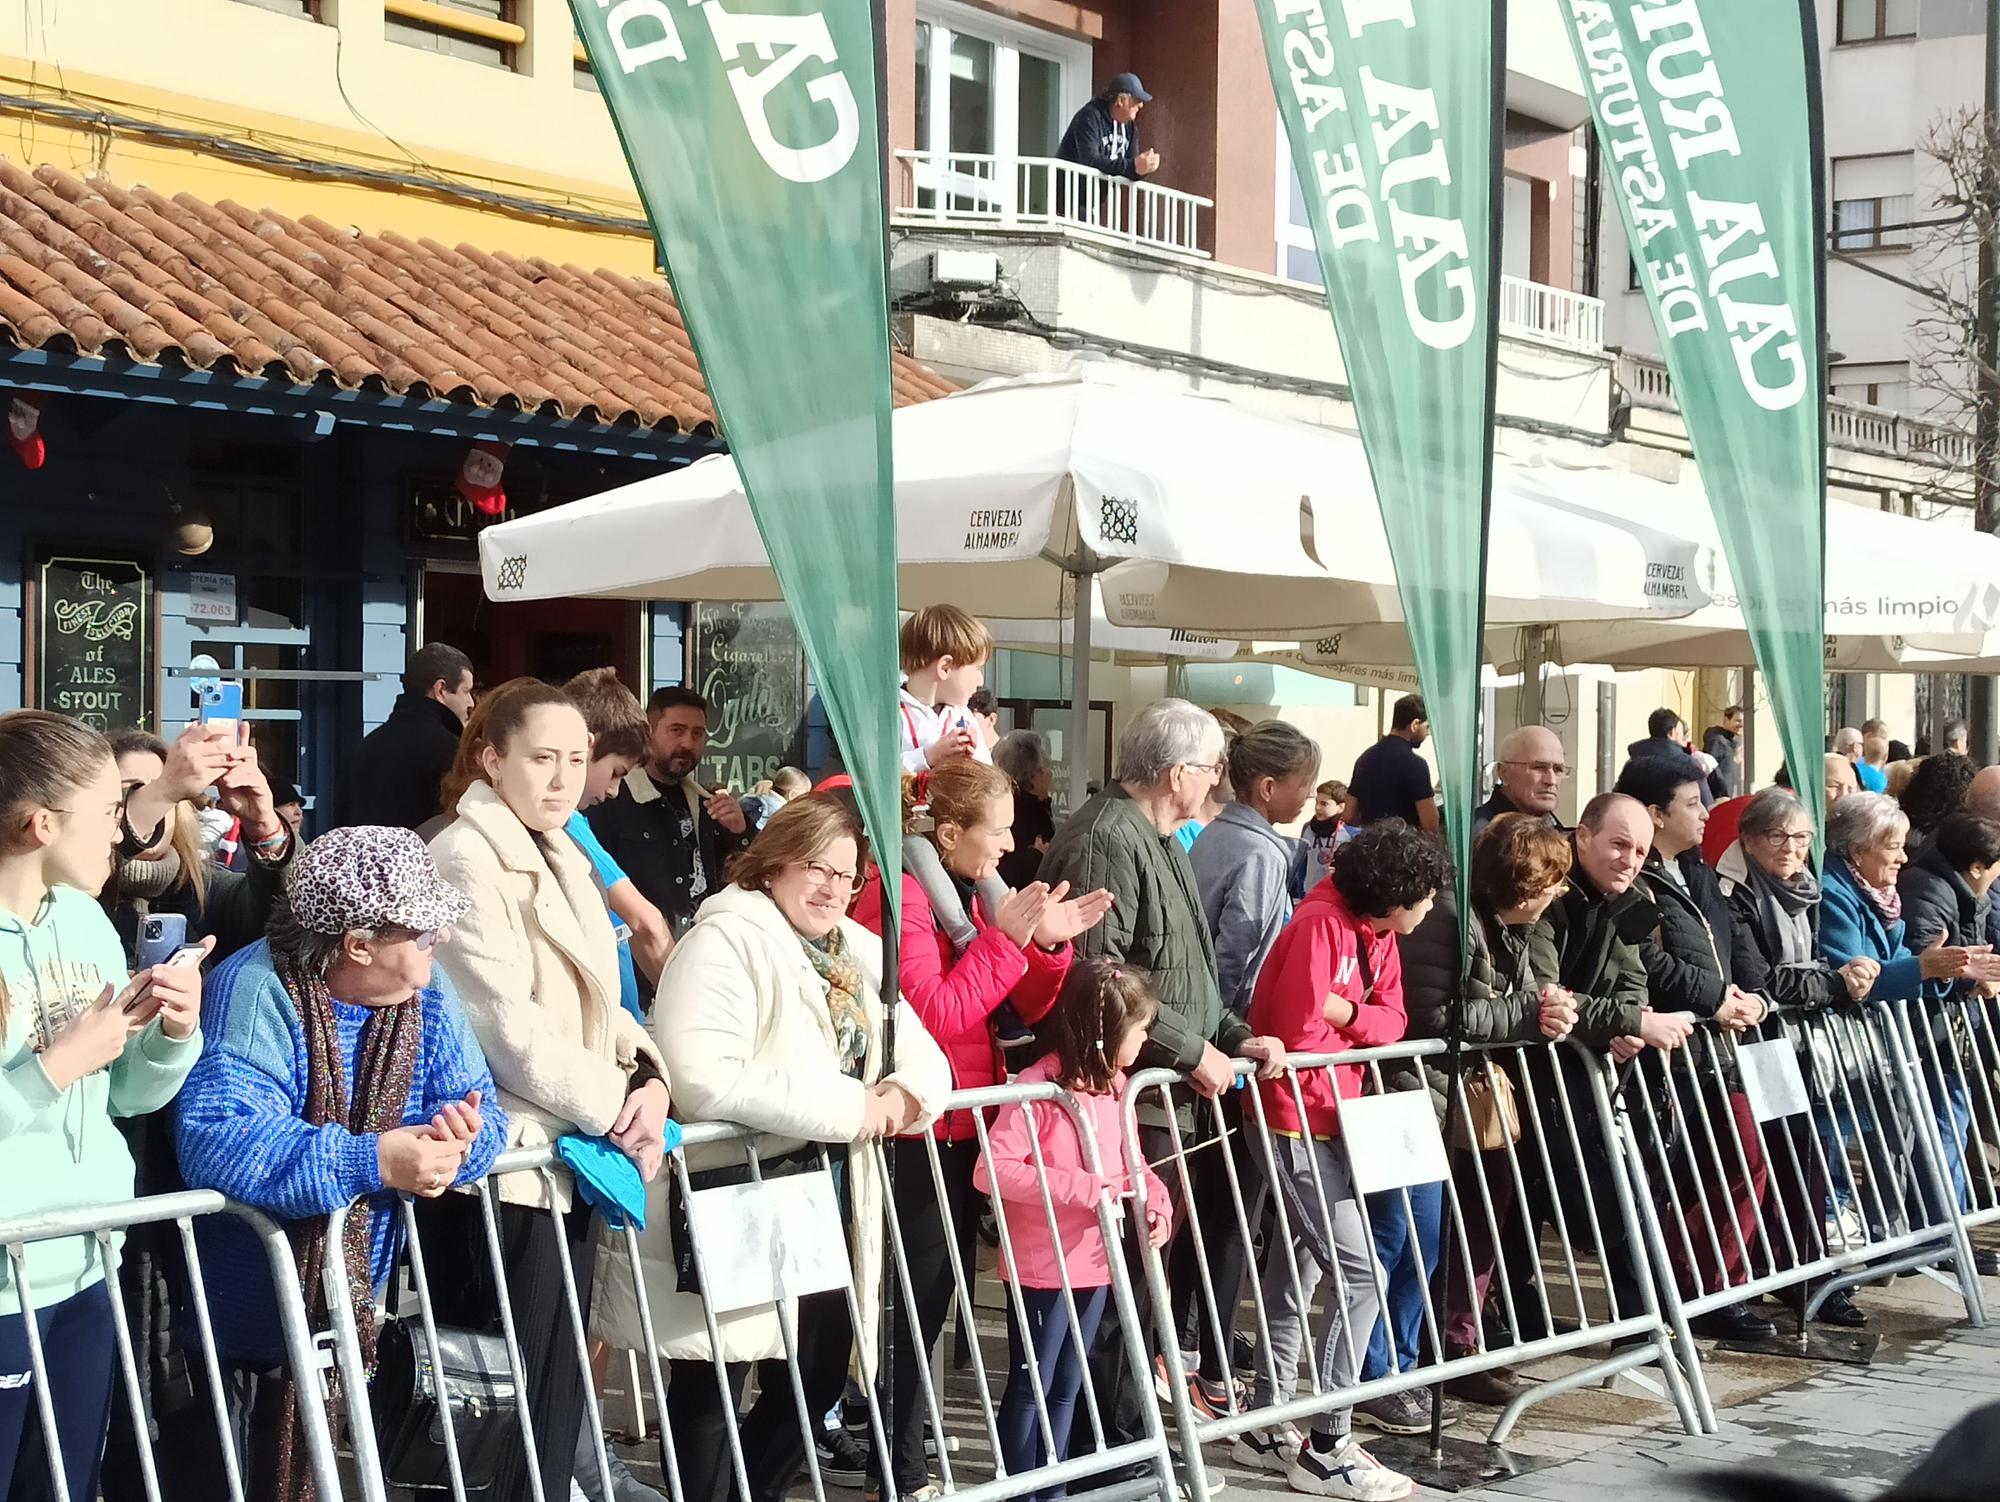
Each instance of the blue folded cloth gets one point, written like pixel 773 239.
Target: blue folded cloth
pixel 607 1179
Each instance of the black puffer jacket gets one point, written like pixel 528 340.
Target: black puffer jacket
pixel 1938 902
pixel 1591 943
pixel 1502 995
pixel 1688 956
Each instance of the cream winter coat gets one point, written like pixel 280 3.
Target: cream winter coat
pixel 741 1020
pixel 536 967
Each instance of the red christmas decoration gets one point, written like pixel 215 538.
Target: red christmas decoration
pixel 480 476
pixel 24 437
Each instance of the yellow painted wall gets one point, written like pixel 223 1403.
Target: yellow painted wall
pixel 345 94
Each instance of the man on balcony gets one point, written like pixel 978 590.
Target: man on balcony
pixel 1102 134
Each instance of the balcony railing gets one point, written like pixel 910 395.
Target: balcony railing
pixel 1849 425
pixel 1568 318
pixel 1033 191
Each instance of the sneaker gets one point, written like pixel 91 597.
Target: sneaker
pixel 1346 1471
pixel 1395 1413
pixel 1267 1449
pixel 842 1462
pixel 1214 1400
pixel 1184 1491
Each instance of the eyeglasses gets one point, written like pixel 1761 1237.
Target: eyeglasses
pixel 1801 840
pixel 1553 769
pixel 824 875
pixel 1213 768
pixel 426 942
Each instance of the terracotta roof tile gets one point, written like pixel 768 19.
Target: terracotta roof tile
pixel 126 272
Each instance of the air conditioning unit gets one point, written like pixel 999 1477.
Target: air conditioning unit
pixel 963 270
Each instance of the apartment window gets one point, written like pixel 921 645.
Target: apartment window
pixel 1633 283
pixel 1298 257
pixel 1879 383
pixel 1517 226
pixel 989 93
pixel 478 31
pixel 582 76
pixel 1873 201
pixel 1877 20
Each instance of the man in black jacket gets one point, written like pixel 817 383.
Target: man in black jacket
pixel 1528 777
pixel 671 835
pixel 1667 739
pixel 1724 742
pixel 1101 135
pixel 1687 959
pixel 393 776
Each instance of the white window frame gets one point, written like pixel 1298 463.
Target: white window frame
pixel 1290 236
pixel 1075 85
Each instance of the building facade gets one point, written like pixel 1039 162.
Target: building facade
pixel 364 236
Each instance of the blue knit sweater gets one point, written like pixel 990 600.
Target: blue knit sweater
pixel 240 1131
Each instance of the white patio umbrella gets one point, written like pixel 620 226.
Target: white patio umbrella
pixel 1005 490
pixel 1902 595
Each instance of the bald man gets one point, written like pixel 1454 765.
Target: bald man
pixel 1841 778
pixel 1528 777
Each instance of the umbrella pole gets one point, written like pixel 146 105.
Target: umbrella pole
pixel 1079 680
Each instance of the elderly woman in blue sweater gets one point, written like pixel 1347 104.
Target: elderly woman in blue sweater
pixel 1866 839
pixel 338 1070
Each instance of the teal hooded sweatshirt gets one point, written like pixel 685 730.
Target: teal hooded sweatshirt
pixel 60 1148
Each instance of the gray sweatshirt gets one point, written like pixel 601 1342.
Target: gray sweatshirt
pixel 1243 868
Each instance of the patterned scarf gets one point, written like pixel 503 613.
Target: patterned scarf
pixel 842 975
pixel 1888 900
pixel 389 1046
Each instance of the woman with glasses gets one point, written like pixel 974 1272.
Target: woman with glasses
pixel 1021 955
pixel 771 1015
pixel 1776 909
pixel 535 963
pixel 339 1070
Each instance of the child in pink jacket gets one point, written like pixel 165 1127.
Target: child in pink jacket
pixel 1094 1031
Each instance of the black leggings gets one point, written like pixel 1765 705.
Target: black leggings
pixel 927 1250
pixel 774 1446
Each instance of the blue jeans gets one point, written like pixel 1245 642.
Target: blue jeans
pixel 81 1361
pixel 1059 1361
pixel 1397 1251
pixel 1951 1098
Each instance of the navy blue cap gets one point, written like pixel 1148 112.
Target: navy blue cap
pixel 1127 83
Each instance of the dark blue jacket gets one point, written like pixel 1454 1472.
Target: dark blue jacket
pixel 1851 924
pixel 1092 140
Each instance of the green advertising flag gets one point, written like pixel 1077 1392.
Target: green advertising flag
pixel 753 138
pixel 1392 108
pixel 1708 116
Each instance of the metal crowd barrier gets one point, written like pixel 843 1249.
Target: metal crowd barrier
pixel 101 1223
pixel 1804 1156
pixel 1128 1465
pixel 1591 1287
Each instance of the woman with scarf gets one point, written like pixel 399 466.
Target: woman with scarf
pixel 1866 852
pixel 1775 902
pixel 339 1070
pixel 536 966
pixel 771 1015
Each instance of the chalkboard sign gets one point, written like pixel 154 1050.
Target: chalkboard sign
pixel 748 665
pixel 93 640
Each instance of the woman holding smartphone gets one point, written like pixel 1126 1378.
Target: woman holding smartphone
pixel 81 1042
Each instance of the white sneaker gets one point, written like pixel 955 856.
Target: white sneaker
pixel 1267 1449
pixel 1346 1471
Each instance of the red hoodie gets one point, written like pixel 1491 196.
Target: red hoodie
pixel 1326 951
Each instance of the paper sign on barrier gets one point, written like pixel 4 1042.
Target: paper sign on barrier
pixel 1393 1141
pixel 1771 1080
pixel 762 1242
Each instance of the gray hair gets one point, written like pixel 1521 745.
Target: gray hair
pixel 1162 736
pixel 1861 821
pixel 1022 754
pixel 1270 748
pixel 1770 811
pixel 310 954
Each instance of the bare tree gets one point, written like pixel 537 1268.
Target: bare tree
pixel 1954 251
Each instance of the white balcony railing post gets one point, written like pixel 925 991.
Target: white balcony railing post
pixel 972 187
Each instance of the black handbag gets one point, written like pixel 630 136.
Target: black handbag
pixel 409 1425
